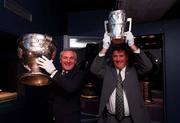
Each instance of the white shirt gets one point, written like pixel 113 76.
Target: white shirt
pixel 111 107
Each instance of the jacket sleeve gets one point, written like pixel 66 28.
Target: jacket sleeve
pixel 143 63
pixel 98 66
pixel 70 82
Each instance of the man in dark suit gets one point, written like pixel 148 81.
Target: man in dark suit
pixel 120 71
pixel 67 81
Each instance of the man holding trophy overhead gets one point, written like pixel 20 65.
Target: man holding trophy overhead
pixel 121 99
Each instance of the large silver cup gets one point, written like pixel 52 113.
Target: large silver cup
pixel 116 25
pixel 30 47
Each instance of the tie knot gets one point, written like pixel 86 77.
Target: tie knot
pixel 119 75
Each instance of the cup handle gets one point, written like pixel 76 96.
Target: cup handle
pixel 105 25
pixel 129 20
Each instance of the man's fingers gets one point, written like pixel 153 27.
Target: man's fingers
pixel 41 66
pixel 40 63
pixel 45 58
pixel 40 59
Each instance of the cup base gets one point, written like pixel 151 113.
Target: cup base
pixel 117 40
pixel 38 79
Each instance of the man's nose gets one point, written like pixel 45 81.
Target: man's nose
pixel 68 60
pixel 118 59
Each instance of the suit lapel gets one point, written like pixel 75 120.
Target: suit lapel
pixel 111 83
pixel 127 84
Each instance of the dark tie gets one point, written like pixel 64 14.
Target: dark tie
pixel 119 98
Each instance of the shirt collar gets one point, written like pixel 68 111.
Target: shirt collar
pixel 123 70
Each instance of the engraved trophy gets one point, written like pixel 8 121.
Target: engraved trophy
pixel 30 47
pixel 116 25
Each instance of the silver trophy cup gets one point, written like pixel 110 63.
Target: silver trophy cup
pixel 116 25
pixel 30 47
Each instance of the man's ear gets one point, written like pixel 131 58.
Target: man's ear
pixel 76 62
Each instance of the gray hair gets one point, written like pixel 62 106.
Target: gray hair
pixel 74 52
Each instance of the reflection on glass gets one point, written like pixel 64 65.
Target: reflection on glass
pixel 76 43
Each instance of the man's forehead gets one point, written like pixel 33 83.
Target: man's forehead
pixel 118 51
pixel 67 52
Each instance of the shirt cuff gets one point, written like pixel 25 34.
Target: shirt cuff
pixel 137 51
pixel 53 73
pixel 101 54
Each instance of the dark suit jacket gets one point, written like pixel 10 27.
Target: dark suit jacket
pixel 66 96
pixel 131 85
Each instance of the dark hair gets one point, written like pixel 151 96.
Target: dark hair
pixel 119 47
